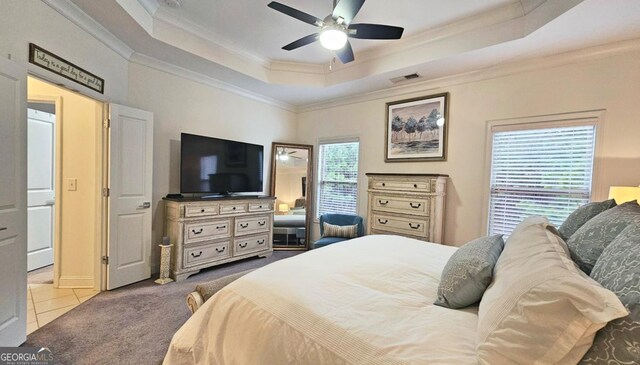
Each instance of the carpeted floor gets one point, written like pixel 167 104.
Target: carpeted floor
pixel 130 325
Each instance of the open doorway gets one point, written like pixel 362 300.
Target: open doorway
pixel 64 194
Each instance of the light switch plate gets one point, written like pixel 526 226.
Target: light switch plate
pixel 72 184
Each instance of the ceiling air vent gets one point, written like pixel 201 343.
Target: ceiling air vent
pixel 412 76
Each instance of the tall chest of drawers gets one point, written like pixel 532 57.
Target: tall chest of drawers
pixel 206 233
pixel 410 205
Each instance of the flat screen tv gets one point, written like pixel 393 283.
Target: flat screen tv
pixel 219 166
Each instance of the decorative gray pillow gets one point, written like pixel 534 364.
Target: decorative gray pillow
pixel 468 272
pixel 582 215
pixel 593 237
pixel 618 269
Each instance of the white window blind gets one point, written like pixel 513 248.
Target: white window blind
pixel 338 178
pixel 544 172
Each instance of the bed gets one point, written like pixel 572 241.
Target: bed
pixel 294 223
pixel 370 300
pixel 379 311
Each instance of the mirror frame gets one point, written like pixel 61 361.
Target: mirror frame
pixel 308 192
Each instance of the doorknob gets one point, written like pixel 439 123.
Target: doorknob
pixel 144 205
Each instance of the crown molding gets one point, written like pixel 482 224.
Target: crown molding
pixel 72 12
pixel 154 63
pixel 528 65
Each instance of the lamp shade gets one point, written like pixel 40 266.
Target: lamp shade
pixel 283 207
pixel 623 194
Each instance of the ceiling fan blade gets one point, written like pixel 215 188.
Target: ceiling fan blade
pixel 301 42
pixel 295 13
pixel 345 54
pixel 374 31
pixel 347 9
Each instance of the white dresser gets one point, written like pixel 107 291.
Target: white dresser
pixel 410 205
pixel 215 231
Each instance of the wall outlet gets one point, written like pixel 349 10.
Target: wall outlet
pixel 72 184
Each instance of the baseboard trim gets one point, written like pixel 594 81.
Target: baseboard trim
pixel 77 282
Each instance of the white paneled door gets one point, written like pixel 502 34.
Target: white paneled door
pixel 40 188
pixel 130 175
pixel 13 203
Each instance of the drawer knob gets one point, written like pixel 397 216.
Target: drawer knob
pixel 243 245
pixel 414 227
pixel 221 227
pixel 234 208
pixel 383 221
pixel 415 186
pixel 220 250
pixel 198 255
pixel 262 223
pixel 197 232
pixel 261 242
pixel 201 210
pixel 244 225
pixel 383 202
pixel 260 207
pixel 383 184
pixel 415 206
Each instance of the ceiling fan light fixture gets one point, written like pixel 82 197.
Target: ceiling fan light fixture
pixel 333 39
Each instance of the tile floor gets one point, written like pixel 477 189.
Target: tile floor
pixel 46 303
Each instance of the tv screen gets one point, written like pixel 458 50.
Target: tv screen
pixel 219 166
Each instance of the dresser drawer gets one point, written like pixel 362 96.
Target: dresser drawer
pixel 417 226
pixel 260 207
pixel 249 225
pixel 200 211
pixel 250 244
pixel 208 230
pixel 404 205
pixel 196 255
pixel 417 185
pixel 233 208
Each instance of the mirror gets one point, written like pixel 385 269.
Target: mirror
pixel 291 184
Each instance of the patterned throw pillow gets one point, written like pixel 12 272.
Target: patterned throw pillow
pixel 331 230
pixel 618 269
pixel 582 215
pixel 468 272
pixel 593 237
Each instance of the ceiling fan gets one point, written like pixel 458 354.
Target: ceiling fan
pixel 336 28
pixel 283 155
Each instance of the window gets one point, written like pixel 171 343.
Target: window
pixel 544 171
pixel 338 178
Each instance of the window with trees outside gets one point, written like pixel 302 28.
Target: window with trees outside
pixel 542 171
pixel 338 178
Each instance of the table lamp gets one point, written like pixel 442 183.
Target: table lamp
pixel 283 208
pixel 623 194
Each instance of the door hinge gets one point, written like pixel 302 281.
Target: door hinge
pixel 107 123
pixel 106 192
pixel 105 260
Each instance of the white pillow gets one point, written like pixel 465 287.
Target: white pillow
pixel 540 308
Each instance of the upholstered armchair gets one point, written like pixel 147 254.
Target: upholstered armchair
pixel 338 220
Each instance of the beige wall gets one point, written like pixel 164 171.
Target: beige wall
pixel 289 185
pixel 77 253
pixel 180 105
pixel 25 21
pixel 611 83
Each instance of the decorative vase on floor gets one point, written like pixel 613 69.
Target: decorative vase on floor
pixel 165 261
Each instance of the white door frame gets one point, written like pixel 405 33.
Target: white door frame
pixel 101 211
pixel 57 101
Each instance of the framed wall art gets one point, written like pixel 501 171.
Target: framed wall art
pixel 417 129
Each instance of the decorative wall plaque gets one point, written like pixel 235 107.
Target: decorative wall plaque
pixel 58 65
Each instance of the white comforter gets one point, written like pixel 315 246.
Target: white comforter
pixel 364 301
